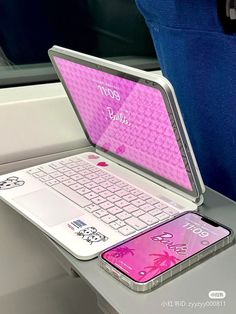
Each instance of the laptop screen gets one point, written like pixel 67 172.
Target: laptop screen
pixel 126 118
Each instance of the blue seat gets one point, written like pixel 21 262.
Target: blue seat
pixel 197 54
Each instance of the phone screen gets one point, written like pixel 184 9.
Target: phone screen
pixel 152 253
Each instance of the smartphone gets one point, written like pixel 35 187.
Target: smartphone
pixel 151 258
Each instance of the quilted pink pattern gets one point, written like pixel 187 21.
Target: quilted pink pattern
pixel 127 118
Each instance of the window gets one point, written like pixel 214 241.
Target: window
pixel 111 29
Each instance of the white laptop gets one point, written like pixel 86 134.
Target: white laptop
pixel 139 170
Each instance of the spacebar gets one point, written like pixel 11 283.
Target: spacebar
pixel 71 195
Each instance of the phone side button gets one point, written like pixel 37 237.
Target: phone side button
pixel 125 281
pixel 106 267
pixel 115 274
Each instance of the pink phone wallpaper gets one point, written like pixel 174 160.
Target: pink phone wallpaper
pixel 127 118
pixel 157 250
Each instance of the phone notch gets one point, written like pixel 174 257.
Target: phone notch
pixel 210 222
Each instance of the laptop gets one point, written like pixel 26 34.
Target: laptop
pixel 138 171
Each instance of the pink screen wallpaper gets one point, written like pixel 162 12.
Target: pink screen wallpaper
pixel 127 118
pixel 161 248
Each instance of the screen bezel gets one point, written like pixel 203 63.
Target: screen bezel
pixel 149 230
pixel 171 112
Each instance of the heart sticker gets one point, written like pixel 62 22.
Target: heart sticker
pixel 120 149
pixel 102 164
pixel 93 157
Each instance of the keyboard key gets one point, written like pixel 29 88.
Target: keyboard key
pixel 69 182
pixel 90 195
pixel 138 202
pixel 123 215
pixel 83 191
pixel 64 169
pixel 121 184
pixel 69 173
pixel 162 216
pixel 114 180
pixel 55 174
pixel 93 169
pixel 78 168
pixel 91 208
pixel 83 181
pixel 52 182
pixel 138 213
pixel 120 223
pixel 56 165
pixel 155 212
pixel 115 225
pixel 136 192
pixel 122 193
pixel 108 218
pixel 126 230
pixel 91 176
pixel 128 188
pixel 130 208
pixel 70 164
pixel 113 198
pixel 98 189
pixel 99 180
pixel 98 200
pixel 148 219
pixel 107 176
pixel 106 205
pixel 85 165
pixel 39 174
pixel 34 170
pixel 101 173
pixel 113 188
pixel 106 184
pixel 45 178
pixel 122 203
pixel 72 195
pixel 170 211
pixel 160 205
pixel 100 213
pixel 115 210
pixel 105 193
pixel 144 197
pixel 62 178
pixel 135 223
pixel 84 172
pixel 153 201
pixel 65 161
pixel 90 185
pixel 147 207
pixel 76 186
pixel 76 177
pixel 129 197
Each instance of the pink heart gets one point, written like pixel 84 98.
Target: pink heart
pixel 102 164
pixel 120 149
pixel 93 157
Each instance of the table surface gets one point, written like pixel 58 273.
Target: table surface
pixel 186 293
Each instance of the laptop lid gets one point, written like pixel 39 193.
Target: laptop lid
pixel 132 116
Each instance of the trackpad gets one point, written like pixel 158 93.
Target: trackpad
pixel 49 207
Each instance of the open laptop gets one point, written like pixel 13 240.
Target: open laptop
pixel 139 170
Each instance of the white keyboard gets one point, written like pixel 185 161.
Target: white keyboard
pixel 116 202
